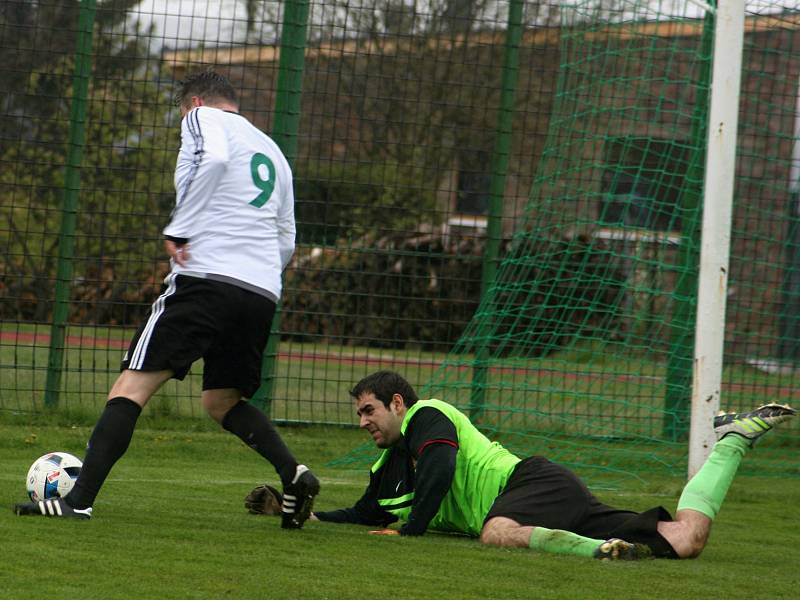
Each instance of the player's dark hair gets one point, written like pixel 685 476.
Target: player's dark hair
pixel 385 384
pixel 206 84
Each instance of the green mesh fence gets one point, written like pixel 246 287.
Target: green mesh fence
pixel 582 348
pixel 500 200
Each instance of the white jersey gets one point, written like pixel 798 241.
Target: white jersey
pixel 234 202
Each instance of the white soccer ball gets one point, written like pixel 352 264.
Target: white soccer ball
pixel 52 475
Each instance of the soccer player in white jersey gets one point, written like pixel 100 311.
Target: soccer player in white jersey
pixel 231 235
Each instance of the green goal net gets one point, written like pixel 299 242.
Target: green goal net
pixel 500 199
pixel 582 349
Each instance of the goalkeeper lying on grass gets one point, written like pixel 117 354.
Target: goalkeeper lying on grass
pixel 438 472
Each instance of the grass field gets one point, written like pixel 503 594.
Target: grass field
pixel 170 523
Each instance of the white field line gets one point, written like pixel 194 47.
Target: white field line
pixel 186 483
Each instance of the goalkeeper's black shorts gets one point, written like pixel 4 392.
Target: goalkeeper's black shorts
pixel 545 494
pixel 224 324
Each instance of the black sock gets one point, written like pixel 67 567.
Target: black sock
pixel 254 428
pixel 110 439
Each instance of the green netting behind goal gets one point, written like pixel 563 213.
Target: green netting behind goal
pixel 499 199
pixel 582 349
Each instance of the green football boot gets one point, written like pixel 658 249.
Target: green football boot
pixel 752 425
pixel 617 549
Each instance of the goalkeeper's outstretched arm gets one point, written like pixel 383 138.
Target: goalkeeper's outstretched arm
pixel 366 511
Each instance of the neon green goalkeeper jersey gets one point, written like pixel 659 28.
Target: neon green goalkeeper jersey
pixel 482 470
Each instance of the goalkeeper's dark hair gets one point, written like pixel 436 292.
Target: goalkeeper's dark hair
pixel 208 85
pixel 385 384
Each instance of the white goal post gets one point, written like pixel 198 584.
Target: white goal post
pixel 716 228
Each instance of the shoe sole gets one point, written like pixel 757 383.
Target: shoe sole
pixel 611 550
pixel 752 425
pixel 302 511
pixel 616 549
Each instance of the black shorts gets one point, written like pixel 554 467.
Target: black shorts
pixel 225 325
pixel 545 494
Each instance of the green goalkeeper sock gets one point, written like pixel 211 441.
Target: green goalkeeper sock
pixel 559 541
pixel 707 489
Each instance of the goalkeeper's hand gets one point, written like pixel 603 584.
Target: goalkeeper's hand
pixel 263 500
